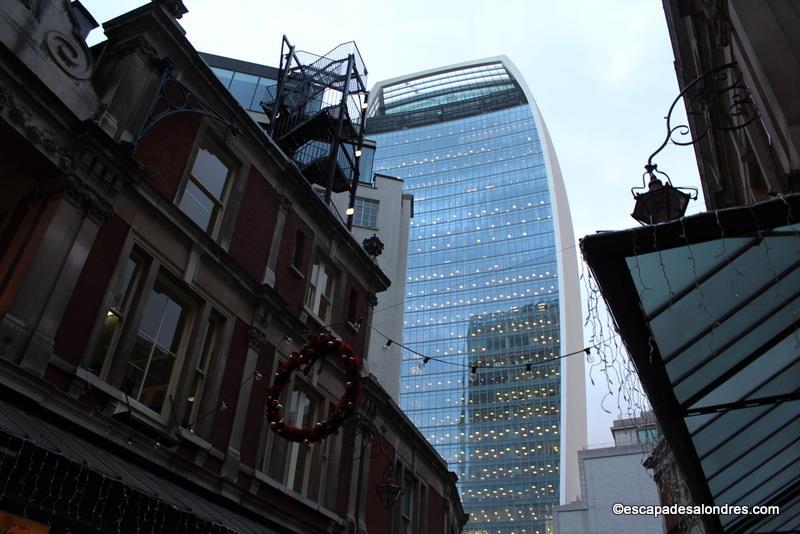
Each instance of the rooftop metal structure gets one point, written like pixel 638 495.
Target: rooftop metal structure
pixel 317 113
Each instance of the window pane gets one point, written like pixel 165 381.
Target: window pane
pixel 210 171
pixel 137 363
pixel 365 165
pixel 169 335
pixel 151 318
pixel 306 410
pixel 104 342
pixel 320 290
pixel 156 348
pixel 197 205
pixel 210 347
pixel 408 487
pixel 128 277
pixel 299 246
pixel 261 90
pixel 243 88
pixel 366 213
pixel 224 75
pixel 210 343
pixel 121 297
pixel 156 383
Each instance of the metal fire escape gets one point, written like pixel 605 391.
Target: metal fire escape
pixel 317 112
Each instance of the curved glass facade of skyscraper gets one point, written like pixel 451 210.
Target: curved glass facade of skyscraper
pixel 491 288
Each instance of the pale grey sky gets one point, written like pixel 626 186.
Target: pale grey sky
pixel 601 72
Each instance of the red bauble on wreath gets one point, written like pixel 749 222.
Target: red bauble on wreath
pixel 317 347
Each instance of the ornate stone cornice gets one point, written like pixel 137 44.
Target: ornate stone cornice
pixel 23 120
pixel 284 203
pixel 139 45
pixel 716 11
pixel 99 169
pixel 32 6
pixel 256 338
pixel 81 195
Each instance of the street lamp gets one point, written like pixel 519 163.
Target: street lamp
pixel 721 88
pixel 661 202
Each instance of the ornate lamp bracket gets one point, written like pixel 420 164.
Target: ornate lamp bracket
pixel 715 100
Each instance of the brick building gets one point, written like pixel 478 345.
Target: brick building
pixel 160 258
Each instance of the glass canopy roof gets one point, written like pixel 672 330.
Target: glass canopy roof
pixel 709 311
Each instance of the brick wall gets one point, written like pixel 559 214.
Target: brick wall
pixel 84 305
pixel 252 235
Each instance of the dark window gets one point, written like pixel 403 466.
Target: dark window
pixel 211 346
pixel 352 306
pixel 158 347
pixel 299 246
pixel 118 311
pixel 407 504
pixel 291 463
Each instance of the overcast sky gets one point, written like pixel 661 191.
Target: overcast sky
pixel 601 72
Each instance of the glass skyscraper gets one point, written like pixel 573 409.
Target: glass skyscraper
pixel 492 289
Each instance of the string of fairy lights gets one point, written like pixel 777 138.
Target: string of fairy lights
pixel 474 367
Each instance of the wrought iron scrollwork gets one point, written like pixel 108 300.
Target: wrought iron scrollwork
pixel 719 99
pixel 371 439
pixel 174 97
pixel 716 100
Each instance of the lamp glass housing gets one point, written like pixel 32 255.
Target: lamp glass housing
pixel 661 203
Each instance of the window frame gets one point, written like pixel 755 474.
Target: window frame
pixel 405 523
pixel 209 362
pixel 187 326
pixel 281 457
pixel 361 211
pixel 208 141
pixel 126 311
pixel 332 279
pixel 298 252
pixel 115 366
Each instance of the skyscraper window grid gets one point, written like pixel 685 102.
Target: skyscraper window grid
pixel 482 287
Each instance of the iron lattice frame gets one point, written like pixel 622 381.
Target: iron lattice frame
pixel 317 114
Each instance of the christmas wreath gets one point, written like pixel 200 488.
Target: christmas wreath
pixel 317 347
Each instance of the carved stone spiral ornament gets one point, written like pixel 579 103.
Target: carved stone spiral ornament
pixel 70 54
pixel 318 347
